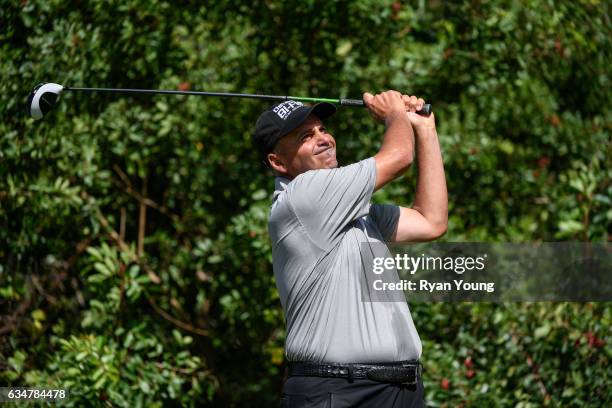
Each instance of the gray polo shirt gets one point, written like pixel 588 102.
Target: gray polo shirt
pixel 320 223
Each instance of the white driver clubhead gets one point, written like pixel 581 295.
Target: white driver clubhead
pixel 43 98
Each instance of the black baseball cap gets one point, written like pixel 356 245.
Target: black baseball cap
pixel 282 119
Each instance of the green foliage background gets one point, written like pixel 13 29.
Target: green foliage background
pixel 186 311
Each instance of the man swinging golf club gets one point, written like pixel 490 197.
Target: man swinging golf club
pixel 342 347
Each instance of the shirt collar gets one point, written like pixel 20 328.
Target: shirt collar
pixel 280 184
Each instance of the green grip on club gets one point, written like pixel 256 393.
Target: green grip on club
pixel 307 99
pixel 352 102
pixel 425 111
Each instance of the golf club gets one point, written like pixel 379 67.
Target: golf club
pixel 44 96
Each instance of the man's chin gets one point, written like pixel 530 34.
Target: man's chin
pixel 330 163
pixel 329 160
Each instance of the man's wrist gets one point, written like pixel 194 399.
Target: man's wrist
pixel 425 130
pixel 394 116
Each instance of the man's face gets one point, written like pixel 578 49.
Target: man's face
pixel 309 147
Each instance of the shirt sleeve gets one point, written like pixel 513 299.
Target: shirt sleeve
pixel 386 218
pixel 326 201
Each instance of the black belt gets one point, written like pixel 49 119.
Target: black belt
pixel 403 372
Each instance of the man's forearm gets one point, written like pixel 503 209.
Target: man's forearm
pixel 431 195
pixel 397 151
pixel 398 141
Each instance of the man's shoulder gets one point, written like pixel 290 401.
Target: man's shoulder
pixel 305 180
pixel 308 188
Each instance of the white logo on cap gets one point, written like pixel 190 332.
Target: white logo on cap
pixel 284 109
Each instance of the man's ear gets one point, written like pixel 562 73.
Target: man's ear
pixel 276 163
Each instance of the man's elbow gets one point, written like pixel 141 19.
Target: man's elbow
pixel 408 160
pixel 402 162
pixel 439 229
pixel 393 162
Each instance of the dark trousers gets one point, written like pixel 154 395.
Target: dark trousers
pixel 320 392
